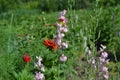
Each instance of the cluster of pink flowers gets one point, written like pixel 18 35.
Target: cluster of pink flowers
pixel 103 60
pixel 61 30
pixel 40 67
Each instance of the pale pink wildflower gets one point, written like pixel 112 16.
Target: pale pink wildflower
pixel 38 64
pixel 39 76
pixel 65 44
pixel 65 29
pixel 63 58
pixel 39 59
pixel 106 75
pixel 102 60
pixel 104 54
pixel 62 28
pixel 103 69
pixel 102 48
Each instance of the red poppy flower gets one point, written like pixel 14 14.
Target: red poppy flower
pixel 51 44
pixel 26 58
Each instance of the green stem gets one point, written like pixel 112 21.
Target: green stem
pixel 10 35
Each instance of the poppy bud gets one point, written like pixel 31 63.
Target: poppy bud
pixel 26 58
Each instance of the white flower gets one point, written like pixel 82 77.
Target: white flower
pixel 59 25
pixel 65 44
pixel 60 29
pixel 106 75
pixel 42 68
pixel 39 76
pixel 104 47
pixel 37 64
pixel 101 50
pixel 62 17
pixel 58 41
pixel 93 61
pixel 62 35
pixel 63 58
pixel 64 12
pixel 104 55
pixel 65 29
pixel 105 69
pixel 39 59
pixel 89 52
pixel 102 60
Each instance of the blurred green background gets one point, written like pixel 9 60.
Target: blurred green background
pixel 53 5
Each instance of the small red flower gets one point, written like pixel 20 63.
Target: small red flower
pixel 26 58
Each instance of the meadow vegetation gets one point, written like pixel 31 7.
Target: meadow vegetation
pixel 93 39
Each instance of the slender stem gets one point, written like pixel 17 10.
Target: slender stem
pixel 10 35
